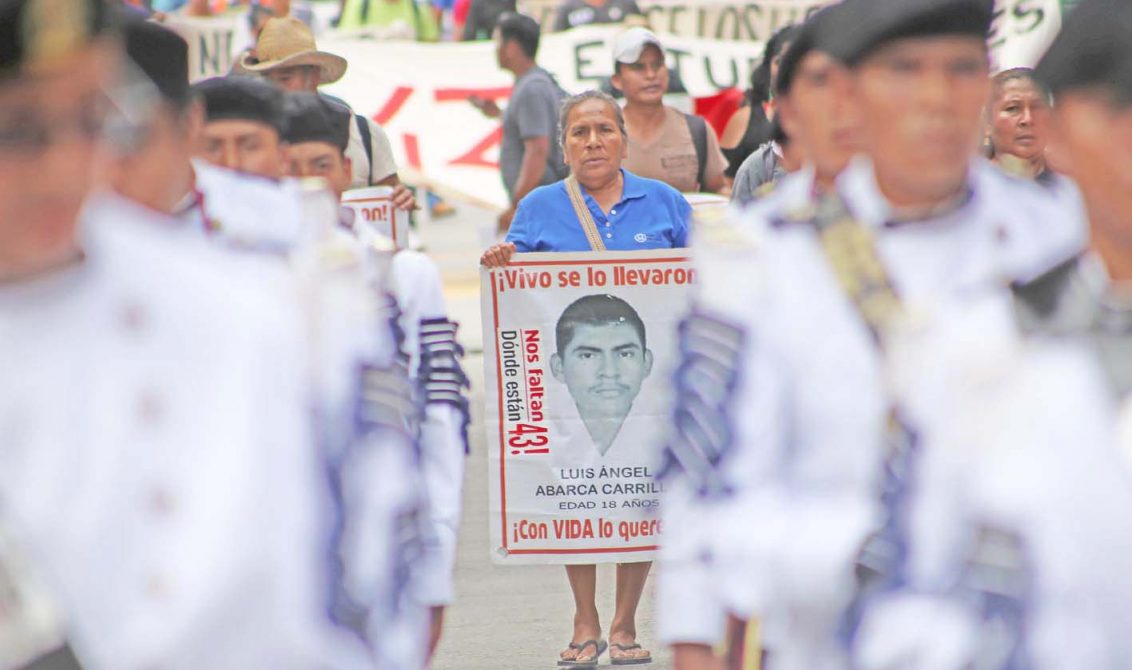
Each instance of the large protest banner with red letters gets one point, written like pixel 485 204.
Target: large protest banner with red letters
pixel 578 351
pixel 419 92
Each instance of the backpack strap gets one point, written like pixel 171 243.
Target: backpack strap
pixel 698 128
pixel 585 219
pixel 367 142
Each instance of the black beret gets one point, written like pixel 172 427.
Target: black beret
pixel 866 25
pixel 1093 49
pixel 312 118
pixel 162 55
pixel 36 32
pixel 242 98
pixel 816 28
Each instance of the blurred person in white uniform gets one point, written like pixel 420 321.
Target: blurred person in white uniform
pixel 814 103
pixel 263 231
pixel 157 462
pixel 317 137
pixel 1045 450
pixel 784 405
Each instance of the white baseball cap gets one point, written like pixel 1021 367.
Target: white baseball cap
pixel 630 43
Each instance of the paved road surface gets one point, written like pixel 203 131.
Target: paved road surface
pixel 505 618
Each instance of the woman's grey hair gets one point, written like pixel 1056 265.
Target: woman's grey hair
pixel 573 101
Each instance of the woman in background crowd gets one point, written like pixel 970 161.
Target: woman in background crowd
pixel 749 128
pixel 1017 128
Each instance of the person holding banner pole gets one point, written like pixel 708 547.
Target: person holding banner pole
pixel 601 206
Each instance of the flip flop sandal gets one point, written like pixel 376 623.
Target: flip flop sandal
pixel 628 661
pixel 600 645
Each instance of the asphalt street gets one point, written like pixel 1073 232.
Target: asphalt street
pixel 504 618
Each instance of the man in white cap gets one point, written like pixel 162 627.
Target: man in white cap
pixel 286 55
pixel 679 149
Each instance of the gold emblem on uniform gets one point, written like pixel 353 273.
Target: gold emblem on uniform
pixel 53 29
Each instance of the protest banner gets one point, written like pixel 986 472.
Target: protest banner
pixel 422 101
pixel 418 92
pixel 578 351
pixel 214 42
pixel 1021 32
pixel 374 214
pixel 755 20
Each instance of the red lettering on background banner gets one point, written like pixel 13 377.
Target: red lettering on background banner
pixel 474 157
pixel 400 96
pixel 412 151
pixel 462 94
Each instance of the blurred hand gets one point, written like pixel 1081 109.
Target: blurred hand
pixel 498 255
pixel 488 107
pixel 402 198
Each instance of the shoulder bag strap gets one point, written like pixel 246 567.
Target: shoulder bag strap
pixel 367 143
pixel 698 128
pixel 585 219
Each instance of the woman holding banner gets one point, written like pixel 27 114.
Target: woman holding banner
pixel 599 207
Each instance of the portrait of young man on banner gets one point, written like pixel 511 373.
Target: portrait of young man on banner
pixel 602 358
pixel 579 353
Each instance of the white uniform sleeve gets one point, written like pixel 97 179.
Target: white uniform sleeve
pixel 435 364
pixel 718 453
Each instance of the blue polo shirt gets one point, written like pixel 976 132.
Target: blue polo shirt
pixel 650 215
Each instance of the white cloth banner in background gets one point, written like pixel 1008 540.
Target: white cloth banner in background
pixel 1021 28
pixel 214 43
pixel 579 350
pixel 418 92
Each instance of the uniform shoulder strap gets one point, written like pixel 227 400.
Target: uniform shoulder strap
pixel 698 128
pixel 585 219
pixel 851 251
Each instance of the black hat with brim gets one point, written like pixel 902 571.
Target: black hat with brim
pixel 239 98
pixel 817 28
pixel 863 26
pixel 37 33
pixel 1093 50
pixel 312 118
pixel 162 55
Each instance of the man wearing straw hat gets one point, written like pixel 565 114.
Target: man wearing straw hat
pixel 286 55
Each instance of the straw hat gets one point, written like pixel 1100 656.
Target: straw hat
pixel 288 42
